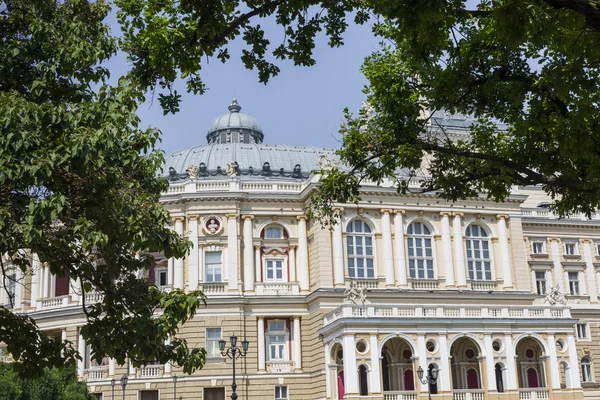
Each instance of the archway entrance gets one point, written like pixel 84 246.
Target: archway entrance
pixel 336 372
pixel 466 372
pixel 530 363
pixel 397 368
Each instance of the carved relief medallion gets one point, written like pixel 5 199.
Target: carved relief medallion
pixel 212 225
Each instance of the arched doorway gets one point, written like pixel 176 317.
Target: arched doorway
pixel 363 380
pixel 530 363
pixel 336 372
pixel 499 374
pixel 397 366
pixel 466 372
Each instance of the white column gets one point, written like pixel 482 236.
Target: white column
pixel 338 252
pixel 511 365
pixel 292 256
pixel 558 271
pixel 257 263
pixel 81 350
pixel 112 364
pixel 444 374
pixel 132 369
pixel 327 372
pixel 575 379
pixel 35 278
pixel 201 272
pixel 249 274
pixel 170 267
pixel 19 285
pixel 178 264
pixel 297 344
pixel 193 260
pixel 422 358
pixel 554 368
pixel 350 368
pixel 261 344
pixel 232 251
pixel 447 247
pixel 75 289
pixel 459 252
pixel 590 271
pixel 63 337
pixel 401 275
pixel 46 282
pixel 489 364
pixel 388 256
pixel 375 386
pixel 302 262
pixel 504 252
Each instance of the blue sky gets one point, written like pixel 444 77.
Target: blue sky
pixel 300 106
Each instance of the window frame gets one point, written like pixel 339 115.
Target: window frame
pixel 586 365
pixel 574 285
pixel 158 272
pixel 206 267
pixel 582 327
pixel 353 257
pixel 541 243
pixel 428 261
pixel 543 281
pixel 270 228
pixel 285 350
pixel 267 261
pixel 487 267
pixel 208 340
pixel 575 248
pixel 278 396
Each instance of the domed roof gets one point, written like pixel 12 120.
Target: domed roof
pixel 234 122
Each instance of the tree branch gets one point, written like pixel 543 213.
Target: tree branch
pixel 589 11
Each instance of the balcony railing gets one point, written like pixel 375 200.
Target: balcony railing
pixel 468 394
pixel 165 289
pixel 424 284
pixel 96 373
pixel 93 297
pixel 212 288
pixel 545 213
pixel 280 366
pixel 151 371
pixel 483 286
pixel 366 283
pixel 444 311
pixel 53 302
pixel 277 288
pixel 533 394
pixel 400 395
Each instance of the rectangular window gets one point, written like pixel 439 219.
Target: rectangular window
pixel 213 266
pixel 274 271
pixel 162 277
pixel 537 248
pixel 574 283
pixel 540 282
pixel 149 395
pixel 213 335
pixel 570 249
pixel 214 393
pixel 277 338
pixel 582 332
pixel 281 393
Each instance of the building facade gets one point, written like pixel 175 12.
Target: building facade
pixel 500 299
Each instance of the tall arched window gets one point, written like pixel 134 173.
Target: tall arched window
pixel 586 370
pixel 478 254
pixel 420 252
pixel 362 380
pixel 359 243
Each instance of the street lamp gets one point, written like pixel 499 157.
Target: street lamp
pixel 233 352
pixel 124 380
pixel 430 379
pixel 112 383
pixel 174 387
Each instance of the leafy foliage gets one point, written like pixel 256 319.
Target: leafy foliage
pixel 78 188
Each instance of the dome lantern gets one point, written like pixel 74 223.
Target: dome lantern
pixel 234 127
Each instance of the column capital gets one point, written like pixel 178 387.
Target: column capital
pixel 260 318
pixel 193 216
pixel 231 215
pixel 502 216
pixel 177 219
pixel 401 212
pixel 247 216
pixel 446 214
pixel 586 241
pixel 458 214
pixel 257 246
pixel 336 209
pixel 386 211
pixel 553 239
pixel 292 247
pixel 301 217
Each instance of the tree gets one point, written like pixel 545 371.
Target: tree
pixel 531 66
pixel 79 191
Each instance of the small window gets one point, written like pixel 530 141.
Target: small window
pixel 570 249
pixel 574 283
pixel 162 277
pixel 538 248
pixel 281 393
pixel 274 232
pixel 214 266
pixel 586 370
pixel 149 395
pixel 582 331
pixel 540 282
pixel 213 335
pixel 274 271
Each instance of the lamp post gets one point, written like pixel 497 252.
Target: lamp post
pixel 174 387
pixel 124 380
pixel 430 379
pixel 112 383
pixel 233 352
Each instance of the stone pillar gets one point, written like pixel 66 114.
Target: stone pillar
pixel 590 271
pixel 327 372
pixel 558 270
pixel 447 247
pixel 249 274
pixel 292 256
pixel 504 251
pixel 511 365
pixel 489 364
pixel 63 338
pixel 261 345
pixel 81 350
pixel 401 275
pixel 193 260
pixel 375 385
pixel 554 367
pixel 258 264
pixel 444 373
pixel 338 251
pixel 132 369
pixel 388 256
pixel 232 251
pixel 422 359
pixel 35 278
pixel 75 289
pixel 170 272
pixel 297 344
pixel 459 252
pixel 168 365
pixel 19 285
pixel 350 368
pixel 302 262
pixel 575 378
pixel 178 264
pixel 112 364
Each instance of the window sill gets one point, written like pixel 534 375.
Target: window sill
pixel 572 256
pixel 587 385
pixel 215 359
pixel 539 255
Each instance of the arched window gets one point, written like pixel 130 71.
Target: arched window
pixel 359 242
pixel 274 232
pixel 478 254
pixel 420 252
pixel 433 384
pixel 499 378
pixel 586 370
pixel 362 380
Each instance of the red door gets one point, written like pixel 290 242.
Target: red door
pixel 409 380
pixel 472 379
pixel 61 288
pixel 532 378
pixel 341 390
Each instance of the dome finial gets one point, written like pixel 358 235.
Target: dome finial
pixel 234 107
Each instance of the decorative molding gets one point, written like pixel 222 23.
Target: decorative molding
pixel 386 211
pixel 212 225
pixel 248 216
pixel 302 217
pixel 503 216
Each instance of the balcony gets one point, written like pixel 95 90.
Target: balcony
pixel 533 394
pixel 400 395
pixel 280 366
pixel 277 289
pixel 424 284
pixel 93 297
pixel 96 373
pixel 468 394
pixel 483 286
pixel 212 288
pixel 411 311
pixel 151 371
pixel 361 282
pixel 53 302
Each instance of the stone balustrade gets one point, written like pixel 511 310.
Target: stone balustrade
pixel 400 395
pixel 533 394
pixel 468 394
pixel 280 366
pixel 151 371
pixel 96 373
pixel 277 289
pixel 212 288
pixel 53 302
pixel 93 297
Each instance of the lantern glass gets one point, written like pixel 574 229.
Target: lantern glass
pixel 124 380
pixel 112 382
pixel 434 373
pixel 420 373
pixel 174 378
pixel 245 345
pixel 222 345
pixel 233 340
